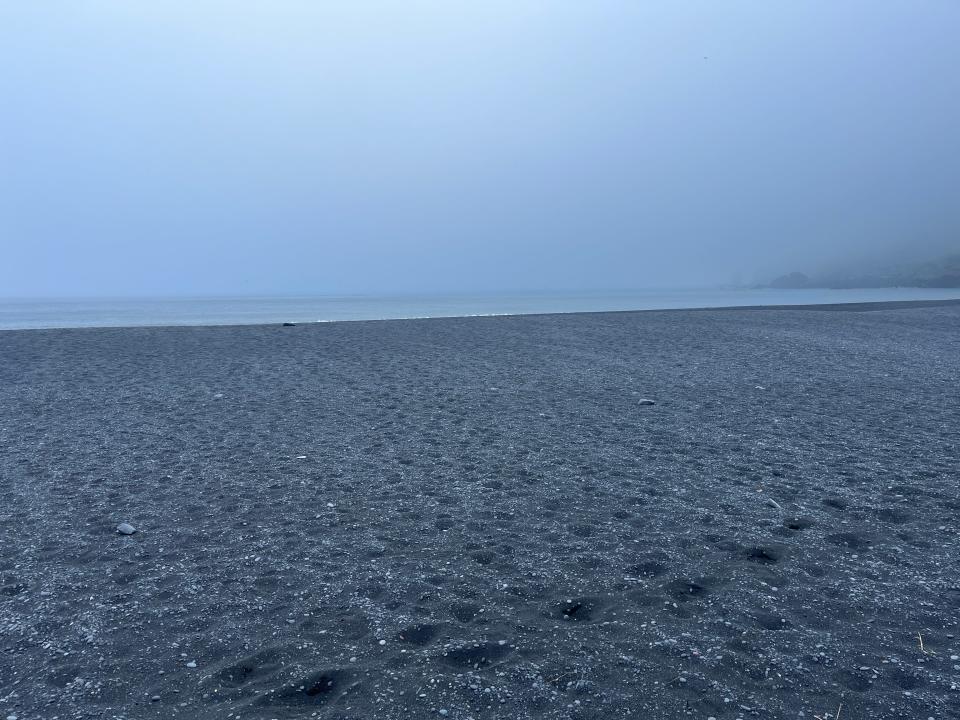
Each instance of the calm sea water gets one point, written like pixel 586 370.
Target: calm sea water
pixel 61 313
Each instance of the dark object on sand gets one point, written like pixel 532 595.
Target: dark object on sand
pixel 289 324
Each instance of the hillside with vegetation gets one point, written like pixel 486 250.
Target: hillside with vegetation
pixel 943 272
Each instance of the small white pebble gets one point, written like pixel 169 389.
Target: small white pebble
pixel 383 642
pixel 443 711
pixel 192 664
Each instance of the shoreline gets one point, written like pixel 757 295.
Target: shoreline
pixel 853 306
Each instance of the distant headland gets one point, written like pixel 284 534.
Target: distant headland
pixel 943 272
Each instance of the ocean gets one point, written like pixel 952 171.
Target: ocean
pixel 123 312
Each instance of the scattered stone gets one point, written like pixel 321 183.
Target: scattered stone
pixel 289 324
pixel 645 401
pixel 192 664
pixel 774 504
pixel 155 698
pixel 126 529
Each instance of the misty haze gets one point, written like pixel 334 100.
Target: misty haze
pixel 479 360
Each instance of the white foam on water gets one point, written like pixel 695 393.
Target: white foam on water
pixel 69 313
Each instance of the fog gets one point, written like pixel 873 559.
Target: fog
pixel 400 147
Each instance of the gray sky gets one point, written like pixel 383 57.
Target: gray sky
pixel 189 146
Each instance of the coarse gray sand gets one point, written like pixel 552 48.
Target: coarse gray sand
pixel 479 518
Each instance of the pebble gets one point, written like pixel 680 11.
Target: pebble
pixel 192 664
pixel 443 711
pixel 126 529
pixel 645 401
pixel 383 642
pixel 155 698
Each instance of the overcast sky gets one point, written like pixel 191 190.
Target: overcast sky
pixel 206 147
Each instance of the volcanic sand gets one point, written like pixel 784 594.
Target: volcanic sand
pixel 478 518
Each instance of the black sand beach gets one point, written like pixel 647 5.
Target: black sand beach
pixel 479 518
